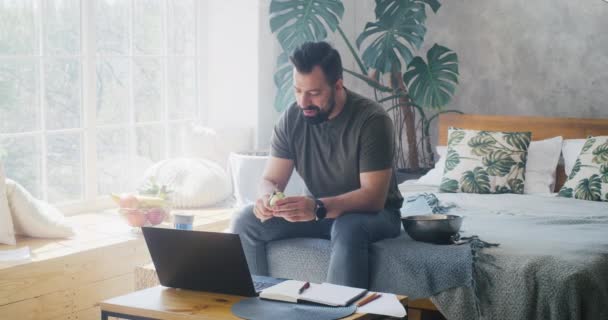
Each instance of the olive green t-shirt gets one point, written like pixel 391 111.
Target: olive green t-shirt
pixel 330 156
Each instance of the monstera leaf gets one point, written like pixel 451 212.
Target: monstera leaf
pixel 600 154
pixel 452 160
pixel 519 140
pixel 432 85
pixel 400 25
pixel 283 79
pixel 498 163
pixel 589 189
pixel 516 185
pixel 482 144
pixel 299 21
pixel 455 137
pixel 476 181
pixel 604 173
pixel 575 169
pixel 448 185
pixel 588 144
pixel 388 8
pixel 566 192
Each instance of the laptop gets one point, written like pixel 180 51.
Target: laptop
pixel 203 261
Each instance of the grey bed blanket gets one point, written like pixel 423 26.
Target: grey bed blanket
pixel 552 262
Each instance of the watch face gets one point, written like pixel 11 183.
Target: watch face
pixel 320 211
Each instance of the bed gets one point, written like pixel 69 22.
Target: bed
pixel 552 261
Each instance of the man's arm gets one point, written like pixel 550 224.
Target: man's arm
pixel 370 197
pixel 276 175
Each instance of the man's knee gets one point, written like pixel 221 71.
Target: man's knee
pixel 350 229
pixel 242 219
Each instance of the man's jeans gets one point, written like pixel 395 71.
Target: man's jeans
pixel 351 235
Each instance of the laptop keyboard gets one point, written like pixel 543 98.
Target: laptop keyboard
pixel 260 285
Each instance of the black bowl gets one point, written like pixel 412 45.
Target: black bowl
pixel 433 228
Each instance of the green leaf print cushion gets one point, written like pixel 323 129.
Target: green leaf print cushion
pixel 485 161
pixel 588 179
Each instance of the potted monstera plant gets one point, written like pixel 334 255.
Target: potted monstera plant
pixel 419 88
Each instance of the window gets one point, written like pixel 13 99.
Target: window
pixel 93 91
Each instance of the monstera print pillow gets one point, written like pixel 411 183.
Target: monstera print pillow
pixel 588 179
pixel 485 161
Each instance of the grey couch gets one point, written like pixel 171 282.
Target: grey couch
pixel 399 265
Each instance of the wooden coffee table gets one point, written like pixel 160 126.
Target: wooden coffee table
pixel 163 303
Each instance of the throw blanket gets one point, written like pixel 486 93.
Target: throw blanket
pixel 425 269
pixel 552 262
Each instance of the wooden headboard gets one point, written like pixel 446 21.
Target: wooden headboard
pixel 541 128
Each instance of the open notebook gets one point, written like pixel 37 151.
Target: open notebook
pixel 324 293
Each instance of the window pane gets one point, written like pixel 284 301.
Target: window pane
pixel 182 27
pixel 112 26
pixel 148 28
pixel 112 161
pixel 147 83
pixel 19 110
pixel 64 167
pixel 179 135
pixel 21 158
pixel 61 26
pixel 112 90
pixel 181 88
pixel 151 142
pixel 62 93
pixel 17 27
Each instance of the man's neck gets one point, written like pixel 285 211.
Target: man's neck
pixel 340 103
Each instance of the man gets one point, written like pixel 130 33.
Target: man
pixel 342 146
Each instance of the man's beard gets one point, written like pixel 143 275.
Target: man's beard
pixel 320 115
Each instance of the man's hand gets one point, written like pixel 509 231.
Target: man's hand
pixel 295 209
pixel 262 209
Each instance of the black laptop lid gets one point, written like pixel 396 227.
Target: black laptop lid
pixel 197 260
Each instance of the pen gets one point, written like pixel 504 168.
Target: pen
pixel 368 299
pixel 304 287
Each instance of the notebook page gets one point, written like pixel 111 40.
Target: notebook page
pixel 284 291
pixel 387 305
pixel 331 294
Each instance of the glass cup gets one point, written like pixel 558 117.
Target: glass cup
pixel 183 221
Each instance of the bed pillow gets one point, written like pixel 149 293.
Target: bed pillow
pixel 433 177
pixel 7 233
pixel 588 179
pixel 485 161
pixel 543 156
pixel 571 148
pixel 33 217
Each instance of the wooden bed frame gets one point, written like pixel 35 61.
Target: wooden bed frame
pixel 541 128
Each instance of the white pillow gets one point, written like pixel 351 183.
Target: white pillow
pixel 33 217
pixel 7 233
pixel 542 161
pixel 571 148
pixel 433 177
pixel 194 182
pixel 543 157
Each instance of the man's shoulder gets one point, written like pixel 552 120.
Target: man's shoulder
pixel 366 107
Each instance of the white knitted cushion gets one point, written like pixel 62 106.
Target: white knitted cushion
pixel 33 217
pixel 194 182
pixel 7 234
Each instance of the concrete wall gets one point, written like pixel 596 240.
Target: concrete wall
pixel 517 57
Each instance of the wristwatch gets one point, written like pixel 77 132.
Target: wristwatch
pixel 320 210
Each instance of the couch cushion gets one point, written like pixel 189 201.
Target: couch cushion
pixel 399 265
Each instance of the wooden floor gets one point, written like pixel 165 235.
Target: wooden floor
pixel 66 279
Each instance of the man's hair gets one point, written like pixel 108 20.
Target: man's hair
pixel 322 54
